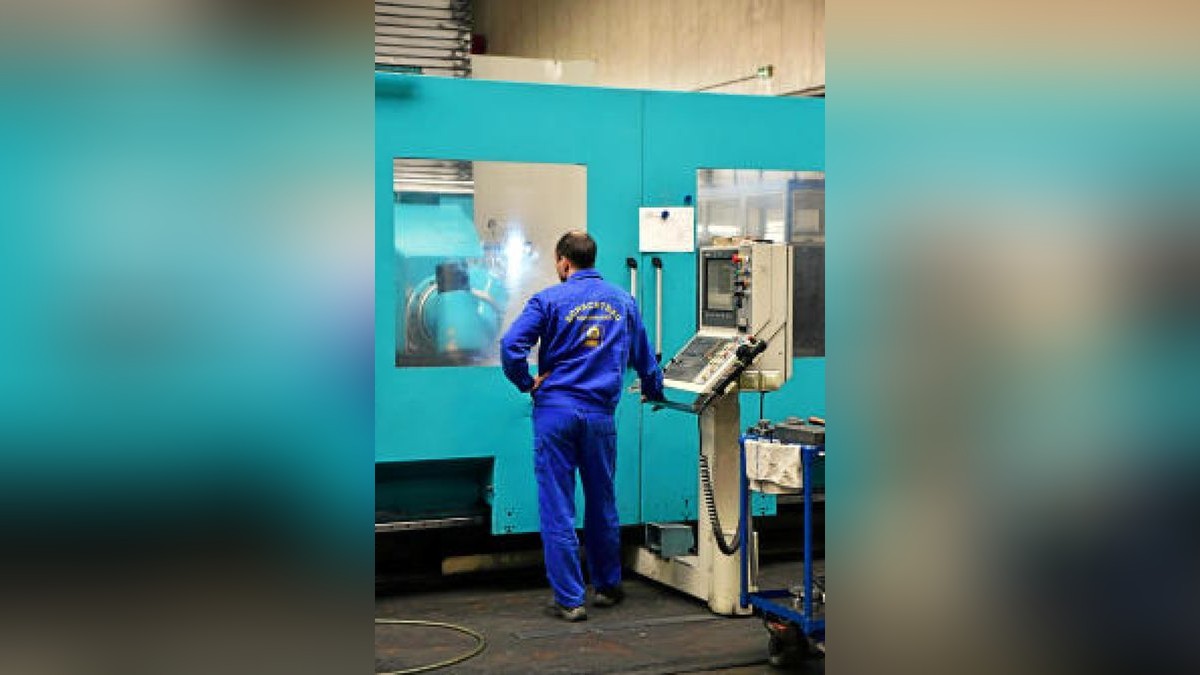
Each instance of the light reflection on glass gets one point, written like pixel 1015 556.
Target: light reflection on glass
pixel 516 249
pixel 775 206
pixel 467 260
pixel 778 206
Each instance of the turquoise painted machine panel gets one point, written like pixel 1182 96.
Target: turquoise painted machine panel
pixel 458 437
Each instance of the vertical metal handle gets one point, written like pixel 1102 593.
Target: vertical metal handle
pixel 632 265
pixel 658 288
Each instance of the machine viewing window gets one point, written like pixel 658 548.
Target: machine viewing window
pixel 778 206
pixel 718 275
pixel 473 242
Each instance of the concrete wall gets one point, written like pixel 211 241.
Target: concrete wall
pixel 667 44
pixel 519 69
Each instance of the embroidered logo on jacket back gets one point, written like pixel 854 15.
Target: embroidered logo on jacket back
pixel 596 310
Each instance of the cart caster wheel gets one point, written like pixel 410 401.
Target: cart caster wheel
pixel 788 648
pixel 777 653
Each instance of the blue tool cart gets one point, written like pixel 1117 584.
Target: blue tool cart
pixel 794 620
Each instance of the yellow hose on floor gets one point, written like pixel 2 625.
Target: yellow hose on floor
pixel 480 644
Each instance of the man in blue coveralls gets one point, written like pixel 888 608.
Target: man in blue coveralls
pixel 590 331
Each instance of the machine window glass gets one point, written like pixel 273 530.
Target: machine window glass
pixel 766 215
pixel 777 206
pixel 718 217
pixel 734 203
pixel 473 241
pixel 807 217
pixel 807 236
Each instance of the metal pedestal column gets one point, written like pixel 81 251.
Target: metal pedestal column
pixel 710 575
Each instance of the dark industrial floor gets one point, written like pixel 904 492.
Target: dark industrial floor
pixel 656 630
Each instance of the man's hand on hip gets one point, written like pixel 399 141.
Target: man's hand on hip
pixel 537 381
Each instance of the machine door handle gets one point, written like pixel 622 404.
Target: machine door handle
pixel 631 263
pixel 658 290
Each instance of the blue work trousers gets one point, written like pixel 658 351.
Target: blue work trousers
pixel 566 439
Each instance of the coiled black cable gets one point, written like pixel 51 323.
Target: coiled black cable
pixel 746 354
pixel 710 504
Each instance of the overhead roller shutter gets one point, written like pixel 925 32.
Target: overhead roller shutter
pixel 431 36
pixel 433 175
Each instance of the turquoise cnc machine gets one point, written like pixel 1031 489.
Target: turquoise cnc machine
pixel 453 438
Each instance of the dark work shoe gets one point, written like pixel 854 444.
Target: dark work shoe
pixel 608 597
pixel 571 614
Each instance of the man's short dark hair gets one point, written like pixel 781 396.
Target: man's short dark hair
pixel 577 247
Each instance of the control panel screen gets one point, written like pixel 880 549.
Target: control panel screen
pixel 718 278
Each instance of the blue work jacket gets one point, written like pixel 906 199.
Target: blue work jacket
pixel 590 331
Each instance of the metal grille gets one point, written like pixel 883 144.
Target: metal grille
pixel 433 175
pixel 430 36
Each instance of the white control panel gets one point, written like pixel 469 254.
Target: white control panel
pixel 745 298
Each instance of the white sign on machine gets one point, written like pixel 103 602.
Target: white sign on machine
pixel 667 229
